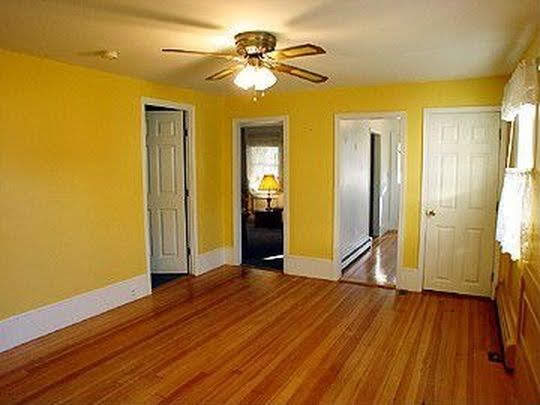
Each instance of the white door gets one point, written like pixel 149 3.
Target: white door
pixel 166 191
pixel 460 196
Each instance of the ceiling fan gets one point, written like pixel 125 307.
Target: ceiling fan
pixel 257 58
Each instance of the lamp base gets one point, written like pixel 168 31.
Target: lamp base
pixel 269 203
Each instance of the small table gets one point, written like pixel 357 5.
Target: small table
pixel 269 219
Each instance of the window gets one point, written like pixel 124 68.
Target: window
pixel 525 137
pixel 261 160
pixel 519 108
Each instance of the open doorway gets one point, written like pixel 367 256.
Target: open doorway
pixel 262 196
pixel 369 167
pixel 166 142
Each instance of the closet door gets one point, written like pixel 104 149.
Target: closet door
pixel 353 187
pixel 460 199
pixel 166 191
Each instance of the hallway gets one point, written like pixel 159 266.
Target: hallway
pixel 377 266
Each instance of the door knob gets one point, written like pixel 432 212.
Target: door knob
pixel 430 213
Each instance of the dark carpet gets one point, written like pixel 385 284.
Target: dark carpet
pixel 263 247
pixel 160 279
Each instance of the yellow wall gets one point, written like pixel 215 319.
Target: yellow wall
pixel 534 260
pixel 311 148
pixel 70 164
pixel 70 178
pixel 518 291
pixel 531 335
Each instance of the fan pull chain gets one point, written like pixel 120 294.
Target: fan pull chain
pixel 257 94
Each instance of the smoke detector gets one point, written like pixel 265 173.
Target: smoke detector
pixel 109 54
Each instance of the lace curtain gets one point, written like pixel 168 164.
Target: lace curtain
pixel 514 215
pixel 263 155
pixel 261 160
pixel 513 222
pixel 521 89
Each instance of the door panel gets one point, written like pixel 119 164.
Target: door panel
pixel 443 239
pixel 472 260
pixel 448 186
pixel 461 179
pixel 479 170
pixel 166 199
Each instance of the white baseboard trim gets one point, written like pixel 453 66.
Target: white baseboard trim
pixel 212 259
pixel 38 322
pixel 312 267
pixel 408 279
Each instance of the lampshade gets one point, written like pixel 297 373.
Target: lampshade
pixel 261 78
pixel 269 183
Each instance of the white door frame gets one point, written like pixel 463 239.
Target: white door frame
pixel 190 181
pixel 402 117
pixel 423 222
pixel 237 125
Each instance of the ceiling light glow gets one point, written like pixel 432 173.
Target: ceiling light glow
pixel 245 78
pixel 264 79
pixel 260 78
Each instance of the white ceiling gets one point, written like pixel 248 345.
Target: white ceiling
pixel 367 41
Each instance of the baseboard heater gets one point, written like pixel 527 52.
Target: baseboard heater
pixel 507 324
pixel 356 252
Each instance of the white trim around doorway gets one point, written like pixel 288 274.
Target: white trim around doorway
pixel 403 275
pixel 237 125
pixel 190 183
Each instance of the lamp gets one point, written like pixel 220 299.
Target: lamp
pixel 259 77
pixel 269 184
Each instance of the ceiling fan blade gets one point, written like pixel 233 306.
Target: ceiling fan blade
pixel 228 56
pixel 224 73
pixel 298 72
pixel 296 52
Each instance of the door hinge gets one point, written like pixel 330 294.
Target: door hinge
pixel 186 192
pixel 492 277
pixel 188 251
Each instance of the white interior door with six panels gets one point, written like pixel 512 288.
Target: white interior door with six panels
pixel 459 205
pixel 166 191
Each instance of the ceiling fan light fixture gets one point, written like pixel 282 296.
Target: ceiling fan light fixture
pixel 260 78
pixel 256 59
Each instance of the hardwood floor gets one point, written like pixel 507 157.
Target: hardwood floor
pixel 377 266
pixel 250 336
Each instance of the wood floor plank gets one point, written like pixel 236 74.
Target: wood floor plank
pixel 61 369
pixel 263 346
pixel 337 321
pixel 254 337
pixel 193 328
pixel 378 265
pixel 305 378
pixel 217 348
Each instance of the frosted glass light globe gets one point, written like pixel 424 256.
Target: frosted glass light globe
pixel 261 78
pixel 245 79
pixel 264 79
